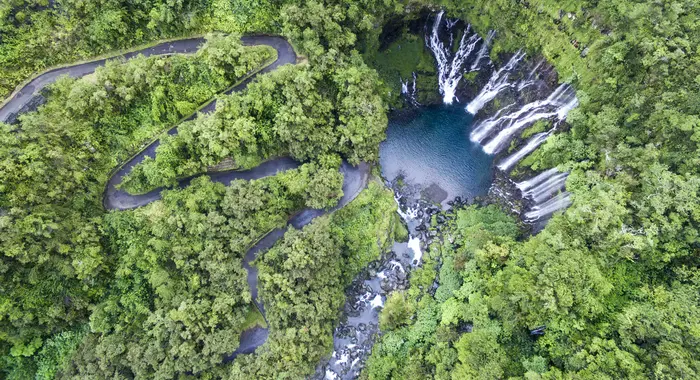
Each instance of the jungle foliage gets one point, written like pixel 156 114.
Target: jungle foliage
pixel 303 280
pixel 179 298
pixel 55 164
pixel 614 280
pixel 159 291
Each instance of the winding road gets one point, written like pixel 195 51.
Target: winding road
pixel 354 177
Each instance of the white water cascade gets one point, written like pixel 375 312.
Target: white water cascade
pixel 482 129
pixel 554 204
pixel 531 145
pixel 531 77
pixel 558 104
pixel 410 92
pixel 483 50
pixel 544 190
pixel 411 213
pixel 536 180
pixel 450 65
pixel 497 83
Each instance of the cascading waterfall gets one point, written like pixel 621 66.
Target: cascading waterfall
pixel 558 104
pixel 450 65
pixel 533 72
pixel 536 180
pixel 497 83
pixel 554 204
pixel 482 129
pixel 531 78
pixel 543 191
pixel 531 145
pixel 546 191
pixel 482 52
pixel 410 92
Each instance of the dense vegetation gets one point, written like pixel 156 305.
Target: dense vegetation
pixel 41 33
pixel 55 164
pixel 180 297
pixel 303 280
pixel 614 280
pixel 289 112
pixel 90 294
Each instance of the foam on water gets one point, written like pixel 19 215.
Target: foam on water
pixel 414 244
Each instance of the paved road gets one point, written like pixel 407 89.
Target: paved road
pixel 354 180
pixel 23 97
pixel 354 177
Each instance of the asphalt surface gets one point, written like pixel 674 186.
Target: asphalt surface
pixel 115 199
pixel 354 177
pixel 24 96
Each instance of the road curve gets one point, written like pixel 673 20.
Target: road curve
pixel 354 177
pixel 115 199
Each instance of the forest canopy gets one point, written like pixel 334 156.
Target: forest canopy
pixel 609 289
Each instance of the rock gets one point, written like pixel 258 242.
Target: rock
pixel 385 285
pixel 440 219
pixel 372 273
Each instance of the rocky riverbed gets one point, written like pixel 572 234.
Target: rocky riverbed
pixel 359 328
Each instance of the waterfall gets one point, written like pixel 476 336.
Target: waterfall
pixel 497 83
pixel 540 190
pixel 483 50
pixel 450 66
pixel 544 190
pixel 536 180
pixel 414 86
pixel 410 93
pixel 482 129
pixel 532 73
pixel 524 84
pixel 558 104
pixel 411 213
pixel 554 204
pixel 531 145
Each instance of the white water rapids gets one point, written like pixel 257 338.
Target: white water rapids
pixel 546 191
